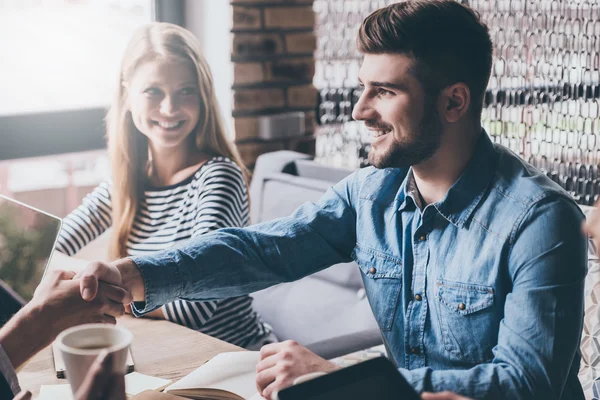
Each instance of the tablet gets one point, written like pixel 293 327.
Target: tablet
pixel 377 378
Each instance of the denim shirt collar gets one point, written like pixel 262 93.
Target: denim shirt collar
pixel 466 193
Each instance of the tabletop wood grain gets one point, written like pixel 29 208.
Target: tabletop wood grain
pixel 160 348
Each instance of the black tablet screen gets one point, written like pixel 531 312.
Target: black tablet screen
pixel 373 379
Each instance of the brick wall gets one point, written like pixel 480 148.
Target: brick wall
pixel 273 42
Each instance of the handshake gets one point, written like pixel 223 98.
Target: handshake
pixel 97 294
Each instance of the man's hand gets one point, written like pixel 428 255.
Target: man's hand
pixel 60 305
pixel 281 363
pixel 442 396
pixel 93 273
pixel 123 273
pixel 101 382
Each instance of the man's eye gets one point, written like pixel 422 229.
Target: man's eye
pixel 383 92
pixel 152 91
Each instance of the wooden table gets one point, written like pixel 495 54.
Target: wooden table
pixel 160 348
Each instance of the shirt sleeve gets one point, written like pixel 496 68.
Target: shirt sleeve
pixel 222 202
pixel 233 261
pixel 8 372
pixel 538 342
pixel 88 221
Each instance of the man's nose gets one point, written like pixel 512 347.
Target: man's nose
pixel 362 109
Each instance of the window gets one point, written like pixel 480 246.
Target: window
pixel 60 61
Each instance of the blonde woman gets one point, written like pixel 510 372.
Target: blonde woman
pixel 174 174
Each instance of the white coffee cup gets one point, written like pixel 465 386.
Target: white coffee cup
pixel 80 346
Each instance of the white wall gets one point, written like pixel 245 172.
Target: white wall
pixel 210 21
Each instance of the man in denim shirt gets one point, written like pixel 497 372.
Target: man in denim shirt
pixel 473 261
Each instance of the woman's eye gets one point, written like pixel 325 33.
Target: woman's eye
pixel 152 91
pixel 188 91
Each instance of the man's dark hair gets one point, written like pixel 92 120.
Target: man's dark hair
pixel 448 42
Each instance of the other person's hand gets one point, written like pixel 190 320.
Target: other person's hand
pixel 57 304
pixel 123 273
pixel 442 396
pixel 281 363
pixel 101 382
pixel 26 395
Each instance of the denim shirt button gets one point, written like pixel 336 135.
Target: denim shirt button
pixel 418 297
pixel 372 270
pixel 423 238
pixel 415 350
pixel 462 306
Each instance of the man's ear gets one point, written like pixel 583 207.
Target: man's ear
pixel 456 101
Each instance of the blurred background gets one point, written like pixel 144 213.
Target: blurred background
pixel 58 72
pixel 286 79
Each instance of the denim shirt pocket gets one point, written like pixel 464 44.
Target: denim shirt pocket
pixel 382 277
pixel 466 320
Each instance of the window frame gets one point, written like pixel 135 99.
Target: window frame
pixel 67 131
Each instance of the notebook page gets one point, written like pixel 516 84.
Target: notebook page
pixel 136 383
pixel 233 371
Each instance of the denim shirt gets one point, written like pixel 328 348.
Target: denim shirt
pixel 480 293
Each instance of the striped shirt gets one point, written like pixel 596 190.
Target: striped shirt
pixel 214 197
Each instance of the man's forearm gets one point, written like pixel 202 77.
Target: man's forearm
pixel 132 278
pixel 24 335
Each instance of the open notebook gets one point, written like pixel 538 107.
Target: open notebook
pixel 227 376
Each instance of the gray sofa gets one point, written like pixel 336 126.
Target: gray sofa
pixel 328 311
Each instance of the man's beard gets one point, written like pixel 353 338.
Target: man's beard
pixel 421 145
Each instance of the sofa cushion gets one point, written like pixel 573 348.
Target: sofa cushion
pixel 327 310
pixel 281 195
pixel 313 310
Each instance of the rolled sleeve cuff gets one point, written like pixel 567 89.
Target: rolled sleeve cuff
pixel 162 281
pixel 415 378
pixel 8 371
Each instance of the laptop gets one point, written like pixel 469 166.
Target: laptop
pixel 27 240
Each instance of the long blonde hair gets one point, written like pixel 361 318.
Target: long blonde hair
pixel 128 148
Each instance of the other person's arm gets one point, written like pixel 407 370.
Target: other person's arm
pixel 101 382
pixel 56 306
